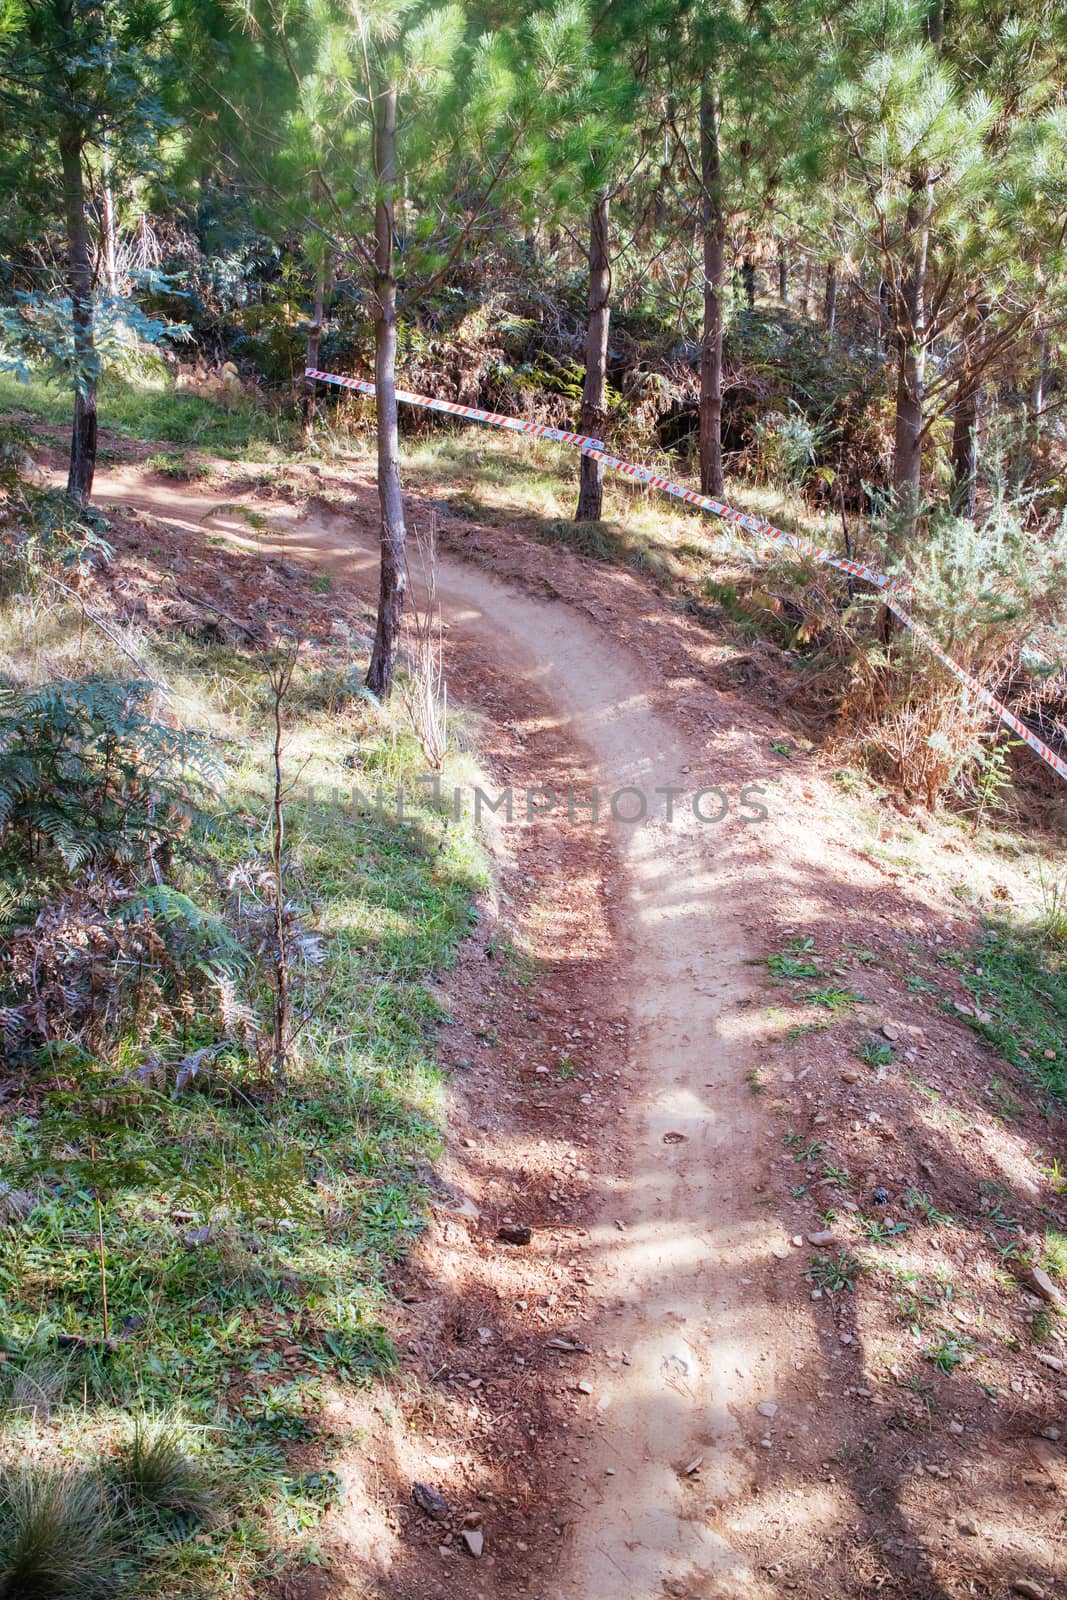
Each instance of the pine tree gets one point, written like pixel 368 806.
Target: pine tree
pixel 947 164
pixel 80 78
pixel 737 90
pixel 405 129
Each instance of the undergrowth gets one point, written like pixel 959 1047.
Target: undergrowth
pixel 156 411
pixel 198 1247
pixel 1019 982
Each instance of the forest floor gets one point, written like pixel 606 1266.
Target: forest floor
pixel 777 1327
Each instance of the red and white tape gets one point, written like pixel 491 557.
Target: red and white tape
pixel 742 519
pixel 1009 718
pixel 598 451
pixel 453 409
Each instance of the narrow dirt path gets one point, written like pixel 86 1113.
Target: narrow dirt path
pixel 683 1188
pixel 679 1224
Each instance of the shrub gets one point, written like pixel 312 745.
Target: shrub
pixel 990 591
pixel 99 799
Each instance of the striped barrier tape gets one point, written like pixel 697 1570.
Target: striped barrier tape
pixel 453 409
pixel 1009 718
pixel 598 451
pixel 595 448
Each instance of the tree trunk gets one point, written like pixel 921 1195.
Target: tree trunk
pixel 111 262
pixel 594 389
pixel 783 273
pixel 965 446
pixel 314 339
pixel 911 361
pixel 80 275
pixel 1037 392
pixel 748 280
pixel 829 303
pixel 714 226
pixel 390 500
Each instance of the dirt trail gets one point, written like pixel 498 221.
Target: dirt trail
pixel 681 1220
pixel 683 1191
pixel 668 1315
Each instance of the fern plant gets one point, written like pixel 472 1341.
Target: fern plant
pixel 88 776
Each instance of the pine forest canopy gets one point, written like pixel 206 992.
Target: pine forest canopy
pixel 855 210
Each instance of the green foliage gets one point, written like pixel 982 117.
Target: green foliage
pixel 161 1477
pixel 35 337
pixel 90 775
pixel 832 997
pixel 788 966
pixel 834 1273
pixel 949 1352
pixel 59 1536
pixel 1055 1257
pixel 1019 984
pixel 878 1231
pixel 916 1201
pixel 876 1053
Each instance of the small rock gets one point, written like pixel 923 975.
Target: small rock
pixel 797 1240
pixel 514 1233
pixel 1037 1279
pixel 890 1031
pixel 1050 1433
pixel 955 1428
pixel 846 1338
pixel 1049 1361
pixel 1028 1589
pixel 674 1137
pixel 474 1539
pixel 881 1197
pixel 694 1466
pixel 429 1500
pixel 767 1408
pixel 968 1529
pixel 583 1387
pixel 824 1236
pixel 197 1237
pixel 850 1077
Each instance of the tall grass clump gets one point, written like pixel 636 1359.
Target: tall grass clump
pixel 60 1539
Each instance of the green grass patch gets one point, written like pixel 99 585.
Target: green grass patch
pixel 155 410
pixel 1019 984
pixel 244 1235
pixel 833 998
pixel 1055 1257
pixel 834 1273
pixel 178 467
